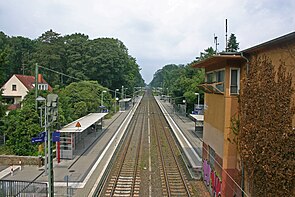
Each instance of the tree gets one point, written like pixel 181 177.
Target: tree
pixel 179 81
pixel 2 114
pixel 50 53
pixel 76 46
pixel 207 53
pixel 105 60
pixel 20 126
pixel 80 98
pixel 232 45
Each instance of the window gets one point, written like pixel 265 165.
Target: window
pixel 234 80
pixel 215 80
pixel 210 78
pixel 42 87
pixel 13 87
pixel 211 156
pixel 220 78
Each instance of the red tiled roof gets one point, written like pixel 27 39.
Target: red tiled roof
pixel 29 81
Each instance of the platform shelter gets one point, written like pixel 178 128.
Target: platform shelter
pixel 199 122
pixel 73 134
pixel 125 104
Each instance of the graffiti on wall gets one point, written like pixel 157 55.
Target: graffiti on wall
pixel 211 179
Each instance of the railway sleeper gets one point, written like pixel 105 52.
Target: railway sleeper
pixel 124 184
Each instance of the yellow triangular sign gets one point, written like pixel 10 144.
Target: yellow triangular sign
pixel 78 124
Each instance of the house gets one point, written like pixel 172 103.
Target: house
pixel 18 86
pixel 224 72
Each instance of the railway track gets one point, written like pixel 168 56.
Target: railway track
pixel 129 175
pixel 125 178
pixel 174 182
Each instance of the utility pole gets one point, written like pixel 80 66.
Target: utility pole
pixel 52 104
pixel 226 49
pixel 36 85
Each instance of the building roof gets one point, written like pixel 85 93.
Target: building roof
pixel 29 81
pixel 213 60
pixel 125 100
pixel 85 122
pixel 271 43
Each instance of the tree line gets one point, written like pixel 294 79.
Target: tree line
pixel 105 60
pixel 94 66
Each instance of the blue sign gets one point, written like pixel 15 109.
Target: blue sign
pixel 40 138
pixel 37 139
pixel 42 135
pixel 55 136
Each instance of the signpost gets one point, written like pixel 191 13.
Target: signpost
pixel 40 138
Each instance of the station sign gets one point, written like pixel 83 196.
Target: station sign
pixel 56 136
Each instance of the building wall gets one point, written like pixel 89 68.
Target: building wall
pixel 21 90
pixel 214 122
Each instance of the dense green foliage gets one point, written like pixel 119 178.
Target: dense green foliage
pixel 80 98
pixel 2 114
pixel 75 100
pixel 179 82
pixel 20 126
pixel 105 60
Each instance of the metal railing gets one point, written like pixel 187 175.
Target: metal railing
pixel 22 189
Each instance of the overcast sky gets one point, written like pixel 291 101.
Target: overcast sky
pixel 156 32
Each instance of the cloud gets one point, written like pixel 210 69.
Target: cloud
pixel 155 32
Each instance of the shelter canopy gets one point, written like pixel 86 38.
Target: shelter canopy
pixel 125 100
pixel 85 122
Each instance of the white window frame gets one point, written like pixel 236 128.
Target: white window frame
pixel 42 87
pixel 238 81
pixel 12 87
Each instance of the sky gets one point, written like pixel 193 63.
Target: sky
pixel 156 32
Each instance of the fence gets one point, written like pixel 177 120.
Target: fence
pixel 22 189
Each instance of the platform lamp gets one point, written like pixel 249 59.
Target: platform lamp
pixel 116 99
pixel 197 94
pixel 184 101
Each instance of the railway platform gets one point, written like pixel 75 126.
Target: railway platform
pixel 184 130
pixel 80 173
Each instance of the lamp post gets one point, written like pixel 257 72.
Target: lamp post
pixel 125 91
pixel 102 97
pixel 42 99
pixel 198 98
pixel 184 101
pixel 122 92
pixel 116 99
